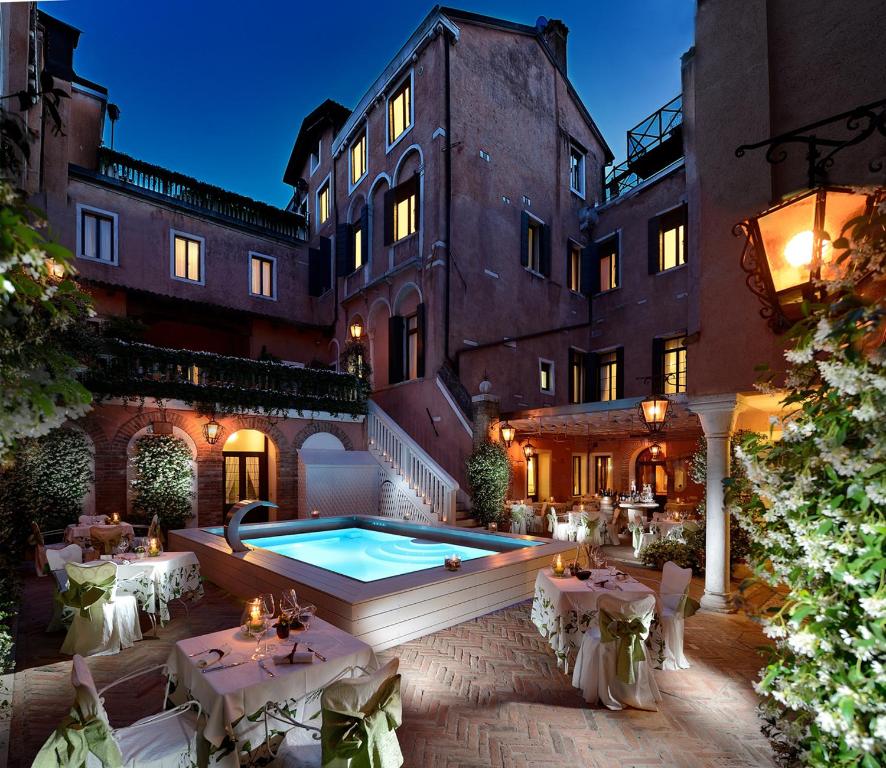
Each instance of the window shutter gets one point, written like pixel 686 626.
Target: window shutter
pixel 619 373
pixel 658 366
pixel 389 216
pixel 396 328
pixel 364 233
pixel 685 213
pixel 592 377
pixel 344 250
pixel 545 260
pixel 571 363
pixel 654 225
pixel 524 238
pixel 420 321
pixel 325 264
pixel 590 270
pixel 314 282
pixel 415 187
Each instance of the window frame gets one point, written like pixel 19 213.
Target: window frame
pixel 356 236
pixel 413 214
pixel 253 255
pixel 327 185
pixel 582 474
pixel 575 250
pixel 410 334
pixel 542 361
pixel 665 352
pixel 583 156
pixel 682 249
pixel 99 213
pixel 536 224
pixel 364 137
pixel 612 369
pixel 173 234
pixel 312 166
pixel 389 143
pixel 578 361
pixel 616 237
pixel 610 470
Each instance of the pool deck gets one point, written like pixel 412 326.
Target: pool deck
pixel 389 611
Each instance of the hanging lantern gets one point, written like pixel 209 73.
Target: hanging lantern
pixel 356 329
pixel 528 450
pixel 507 434
pixel 212 431
pixel 654 410
pixel 655 450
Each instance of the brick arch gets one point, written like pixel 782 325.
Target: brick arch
pixel 145 418
pixel 92 430
pixel 320 426
pixel 259 424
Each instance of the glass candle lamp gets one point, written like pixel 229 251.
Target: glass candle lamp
pixel 153 546
pixel 558 566
pixel 315 513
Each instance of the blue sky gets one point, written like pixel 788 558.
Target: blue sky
pixel 218 89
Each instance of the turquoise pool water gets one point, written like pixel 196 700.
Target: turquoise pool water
pixel 366 555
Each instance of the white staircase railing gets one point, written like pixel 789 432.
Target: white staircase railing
pixel 424 475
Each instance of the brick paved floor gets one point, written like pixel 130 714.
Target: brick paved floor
pixel 483 693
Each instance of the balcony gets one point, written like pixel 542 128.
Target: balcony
pixel 196 196
pixel 653 145
pixel 135 371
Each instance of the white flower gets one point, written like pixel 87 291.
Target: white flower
pixel 878 728
pixel 803 642
pixel 799 355
pixel 827 722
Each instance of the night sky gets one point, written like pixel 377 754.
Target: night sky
pixel 218 89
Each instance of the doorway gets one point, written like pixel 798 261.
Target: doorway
pixel 247 471
pixel 651 470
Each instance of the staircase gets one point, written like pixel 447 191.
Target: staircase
pixel 417 482
pixel 463 516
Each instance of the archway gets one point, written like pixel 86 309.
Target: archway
pixel 323 441
pixel 250 470
pixel 650 469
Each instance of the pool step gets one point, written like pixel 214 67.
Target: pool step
pixel 464 518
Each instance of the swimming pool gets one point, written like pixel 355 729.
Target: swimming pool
pixel 366 555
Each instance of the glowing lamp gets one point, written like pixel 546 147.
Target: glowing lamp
pixel 356 329
pixel 528 450
pixel 507 434
pixel 212 431
pixel 655 450
pixel 654 411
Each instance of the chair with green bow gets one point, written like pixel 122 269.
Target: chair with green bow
pixel 611 666
pixel 42 550
pixel 676 607
pixel 560 530
pixel 360 717
pixel 85 737
pixel 104 622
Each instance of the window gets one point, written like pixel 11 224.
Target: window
pixel 535 245
pixel 574 267
pixel 608 267
pixel 532 476
pixel 323 203
pixel 262 276
pixel 577 378
pixel 546 376
pixel 404 217
pixel 674 365
pixel 187 257
pixel 314 161
pixel 358 160
pixel 411 367
pixel 97 235
pixel 667 240
pixel 357 245
pixel 401 210
pixel 406 346
pixel 609 376
pixel 400 111
pixel 577 171
pixel 602 473
pixel 576 475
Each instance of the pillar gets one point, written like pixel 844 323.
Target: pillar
pixel 717 415
pixel 486 412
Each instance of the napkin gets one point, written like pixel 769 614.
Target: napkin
pixel 294 656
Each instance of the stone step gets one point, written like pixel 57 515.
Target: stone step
pixel 467 522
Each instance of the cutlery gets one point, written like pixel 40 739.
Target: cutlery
pixel 219 651
pixel 222 666
pixel 318 655
pixel 261 663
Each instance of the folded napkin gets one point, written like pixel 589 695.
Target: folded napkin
pixel 294 656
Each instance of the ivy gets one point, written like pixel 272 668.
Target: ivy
pixel 163 480
pixel 488 475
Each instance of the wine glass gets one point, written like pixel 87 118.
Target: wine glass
pixel 289 601
pixel 268 612
pixel 122 546
pixel 258 628
pixel 305 614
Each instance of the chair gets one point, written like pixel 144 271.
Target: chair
pixel 645 539
pixel 106 538
pixel 560 530
pixel 676 606
pixel 591 524
pixel 93 520
pixel 611 666
pixel 85 737
pixel 360 717
pixel 104 622
pixel 56 559
pixel 41 548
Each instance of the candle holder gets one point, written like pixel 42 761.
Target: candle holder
pixel 558 567
pixel 154 547
pixel 315 513
pixel 452 563
pixel 493 527
pixel 115 518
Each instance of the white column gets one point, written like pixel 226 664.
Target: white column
pixel 717 415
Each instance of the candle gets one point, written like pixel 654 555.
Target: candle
pixel 558 566
pixel 256 622
pixel 315 513
pixel 453 562
pixel 493 527
pixel 115 518
pixel 407 515
pixel 153 547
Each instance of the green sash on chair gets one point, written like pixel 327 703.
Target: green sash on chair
pixel 70 744
pixel 687 606
pixel 360 736
pixel 629 635
pixel 87 596
pixel 636 532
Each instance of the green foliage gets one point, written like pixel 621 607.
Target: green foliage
pixel 660 551
pixel 489 475
pixel 818 523
pixel 37 371
pixel 163 478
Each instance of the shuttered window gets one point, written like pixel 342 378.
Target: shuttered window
pixel 399 111
pixel 607 265
pixel 402 210
pixel 673 365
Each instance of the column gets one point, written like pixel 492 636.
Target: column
pixel 486 411
pixel 717 415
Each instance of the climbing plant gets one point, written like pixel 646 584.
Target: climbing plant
pixel 163 479
pixel 488 475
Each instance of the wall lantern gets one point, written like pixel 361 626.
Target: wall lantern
pixel 790 246
pixel 654 410
pixel 655 451
pixel 507 434
pixel 528 450
pixel 356 329
pixel 212 431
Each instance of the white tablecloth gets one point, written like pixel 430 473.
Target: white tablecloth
pixel 233 699
pixel 76 533
pixel 563 609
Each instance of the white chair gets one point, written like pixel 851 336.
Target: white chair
pixel 165 740
pixel 373 695
pixel 41 549
pixel 56 559
pixel 645 539
pixel 611 666
pixel 676 605
pixel 560 530
pixel 104 622
pixel 594 527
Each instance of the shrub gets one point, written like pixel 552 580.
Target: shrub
pixel 660 551
pixel 163 478
pixel 489 475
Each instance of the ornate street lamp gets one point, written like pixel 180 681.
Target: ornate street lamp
pixel 356 329
pixel 507 433
pixel 212 431
pixel 654 411
pixel 655 451
pixel 528 450
pixel 790 247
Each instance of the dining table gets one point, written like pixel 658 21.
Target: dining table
pixel 563 609
pixel 76 533
pixel 235 699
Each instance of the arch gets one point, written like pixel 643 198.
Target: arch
pixel 377 333
pixel 87 504
pixel 632 460
pixel 382 178
pixel 354 208
pixel 260 424
pixel 323 441
pixel 321 426
pixel 334 354
pixel 373 311
pixel 403 293
pixel 406 152
pixel 253 442
pixel 138 423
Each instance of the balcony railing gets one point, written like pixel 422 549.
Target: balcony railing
pixel 134 371
pixel 204 197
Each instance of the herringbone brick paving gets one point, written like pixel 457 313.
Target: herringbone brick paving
pixel 484 693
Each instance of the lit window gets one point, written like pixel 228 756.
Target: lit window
pixel 314 162
pixel 533 245
pixel 358 159
pixel 672 239
pixel 411 366
pixel 405 220
pixel 577 171
pixel 602 473
pixel 399 112
pixel 608 266
pixel 323 203
pixel 546 376
pixel 674 366
pixel 574 267
pixel 261 276
pixel 97 236
pixel 358 246
pixel 576 376
pixel 532 475
pixel 576 475
pixel 187 253
pixel 609 376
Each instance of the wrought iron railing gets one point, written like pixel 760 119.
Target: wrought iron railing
pixel 197 194
pixel 220 383
pixel 655 129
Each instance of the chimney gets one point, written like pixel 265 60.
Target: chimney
pixel 554 33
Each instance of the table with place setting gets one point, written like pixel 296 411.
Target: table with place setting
pixel 235 690
pixel 77 533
